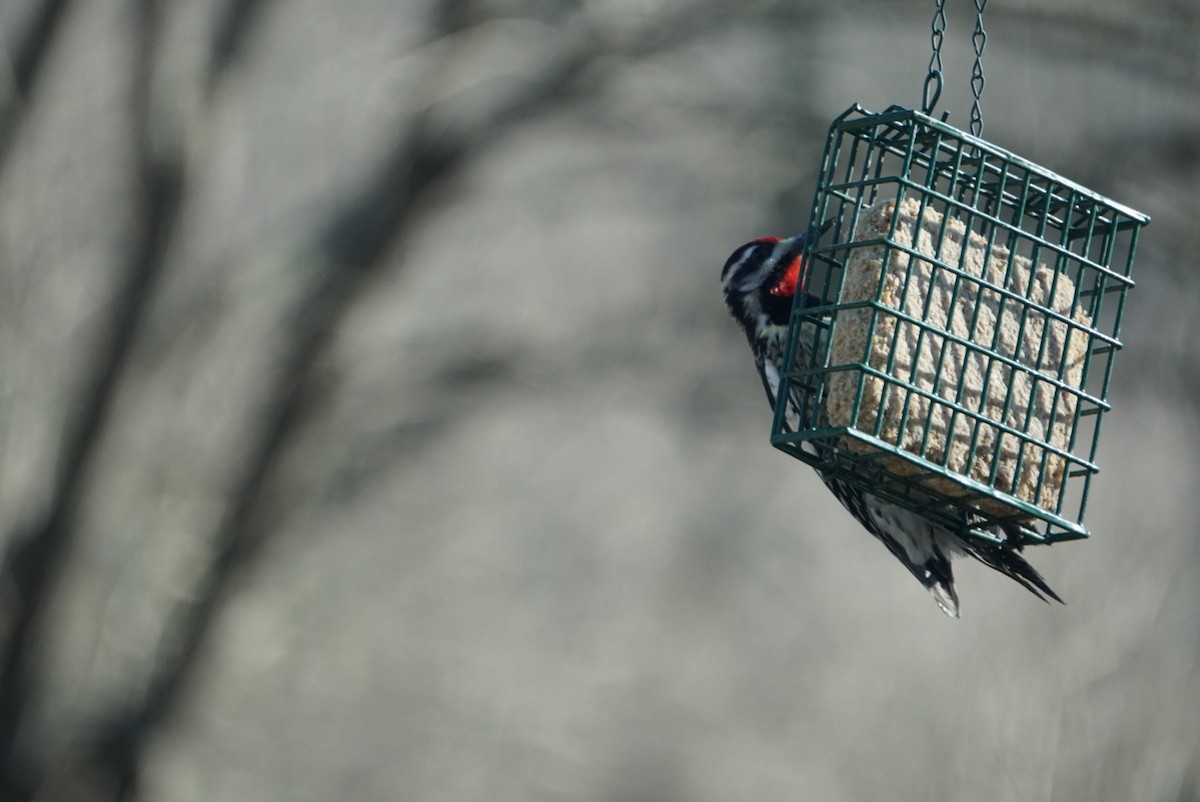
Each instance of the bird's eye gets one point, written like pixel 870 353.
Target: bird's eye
pixel 756 252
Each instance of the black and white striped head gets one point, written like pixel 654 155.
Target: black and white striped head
pixel 760 279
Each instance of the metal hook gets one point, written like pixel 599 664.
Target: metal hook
pixel 933 81
pixel 933 91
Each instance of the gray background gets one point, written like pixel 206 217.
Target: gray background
pixel 524 538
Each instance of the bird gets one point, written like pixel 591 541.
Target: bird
pixel 761 280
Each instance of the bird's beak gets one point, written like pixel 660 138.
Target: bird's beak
pixel 796 244
pixel 795 248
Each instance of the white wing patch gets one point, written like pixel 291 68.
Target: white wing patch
pixel 770 375
pixel 917 535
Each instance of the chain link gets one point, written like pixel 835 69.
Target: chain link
pixel 979 39
pixel 933 81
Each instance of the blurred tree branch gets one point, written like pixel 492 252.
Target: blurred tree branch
pixel 37 556
pixel 234 25
pixel 352 248
pixel 29 56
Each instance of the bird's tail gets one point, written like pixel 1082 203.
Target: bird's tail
pixel 1005 559
pixel 934 573
pixel 945 596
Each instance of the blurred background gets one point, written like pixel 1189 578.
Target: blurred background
pixel 371 426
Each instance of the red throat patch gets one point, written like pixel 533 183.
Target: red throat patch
pixel 790 280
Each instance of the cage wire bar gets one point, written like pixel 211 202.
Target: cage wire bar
pixel 968 380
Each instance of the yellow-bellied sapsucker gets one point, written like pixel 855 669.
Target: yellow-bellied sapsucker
pixel 760 280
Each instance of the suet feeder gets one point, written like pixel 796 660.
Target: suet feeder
pixel 962 316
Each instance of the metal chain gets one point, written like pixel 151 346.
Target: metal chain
pixel 933 81
pixel 979 39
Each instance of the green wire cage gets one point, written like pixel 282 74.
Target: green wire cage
pixel 955 343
